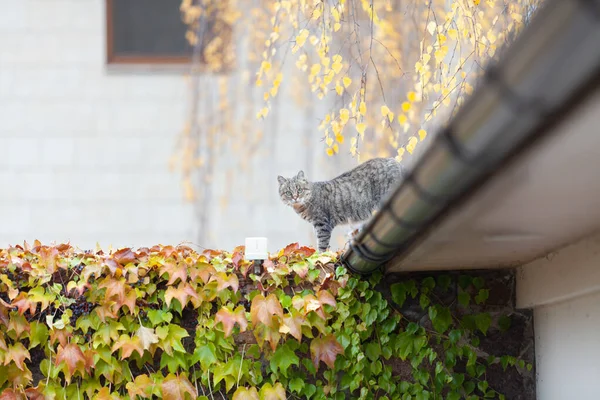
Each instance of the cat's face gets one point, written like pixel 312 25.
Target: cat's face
pixel 295 190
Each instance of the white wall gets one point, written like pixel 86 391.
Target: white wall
pixel 564 290
pixel 567 344
pixel 84 151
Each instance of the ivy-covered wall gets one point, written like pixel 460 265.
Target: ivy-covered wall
pixel 169 322
pixel 471 296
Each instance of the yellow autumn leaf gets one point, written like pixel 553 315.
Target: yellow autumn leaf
pixel 344 115
pixel 391 116
pixel 301 38
pixel 353 150
pixel 412 143
pixel 402 119
pixel 453 33
pixel 411 96
pixel 401 151
pixel 339 138
pixel 329 151
pixel 336 26
pixel 406 106
pixel 329 141
pixel 265 66
pixel 422 134
pixel 431 27
pixel 315 69
pixel 362 108
pixel 347 81
pixel 335 148
pixel 360 128
pixel 273 91
pixel 339 89
pixel 385 110
pixel 476 2
pixel 336 67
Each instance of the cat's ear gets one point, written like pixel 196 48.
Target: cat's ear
pixel 300 175
pixel 281 180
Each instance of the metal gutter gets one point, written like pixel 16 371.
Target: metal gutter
pixel 551 67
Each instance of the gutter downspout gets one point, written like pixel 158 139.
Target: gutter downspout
pixel 551 67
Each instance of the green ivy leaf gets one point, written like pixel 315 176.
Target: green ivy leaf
pixel 282 359
pixel 373 351
pixel 482 296
pixel 483 322
pixel 38 334
pixel 206 355
pixel 464 298
pixel 398 293
pixel 504 323
pixel 296 385
pixel 478 282
pixel 455 336
pixel 441 318
pixel 464 281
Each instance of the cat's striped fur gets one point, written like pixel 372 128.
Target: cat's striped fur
pixel 349 198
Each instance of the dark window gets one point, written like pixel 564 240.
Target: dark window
pixel 152 31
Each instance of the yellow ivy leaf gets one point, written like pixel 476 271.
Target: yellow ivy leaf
pixel 329 141
pixel 339 138
pixel 402 119
pixel 329 151
pixel 344 115
pixel 362 108
pixel 385 110
pixel 339 89
pixel 412 143
pixel 422 134
pixel 406 106
pixel 347 81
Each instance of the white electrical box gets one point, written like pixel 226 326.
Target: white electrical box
pixel 256 248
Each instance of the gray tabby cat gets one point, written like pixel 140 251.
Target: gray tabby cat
pixel 350 198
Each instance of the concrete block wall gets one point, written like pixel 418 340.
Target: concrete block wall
pixel 85 148
pixel 84 151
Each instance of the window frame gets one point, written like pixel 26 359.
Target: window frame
pixel 112 58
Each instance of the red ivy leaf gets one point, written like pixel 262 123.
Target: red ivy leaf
pixel 325 349
pixel 292 324
pixel 17 353
pixel 175 387
pixel 264 309
pixel 229 318
pixel 73 357
pixel 290 248
pixel 124 256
